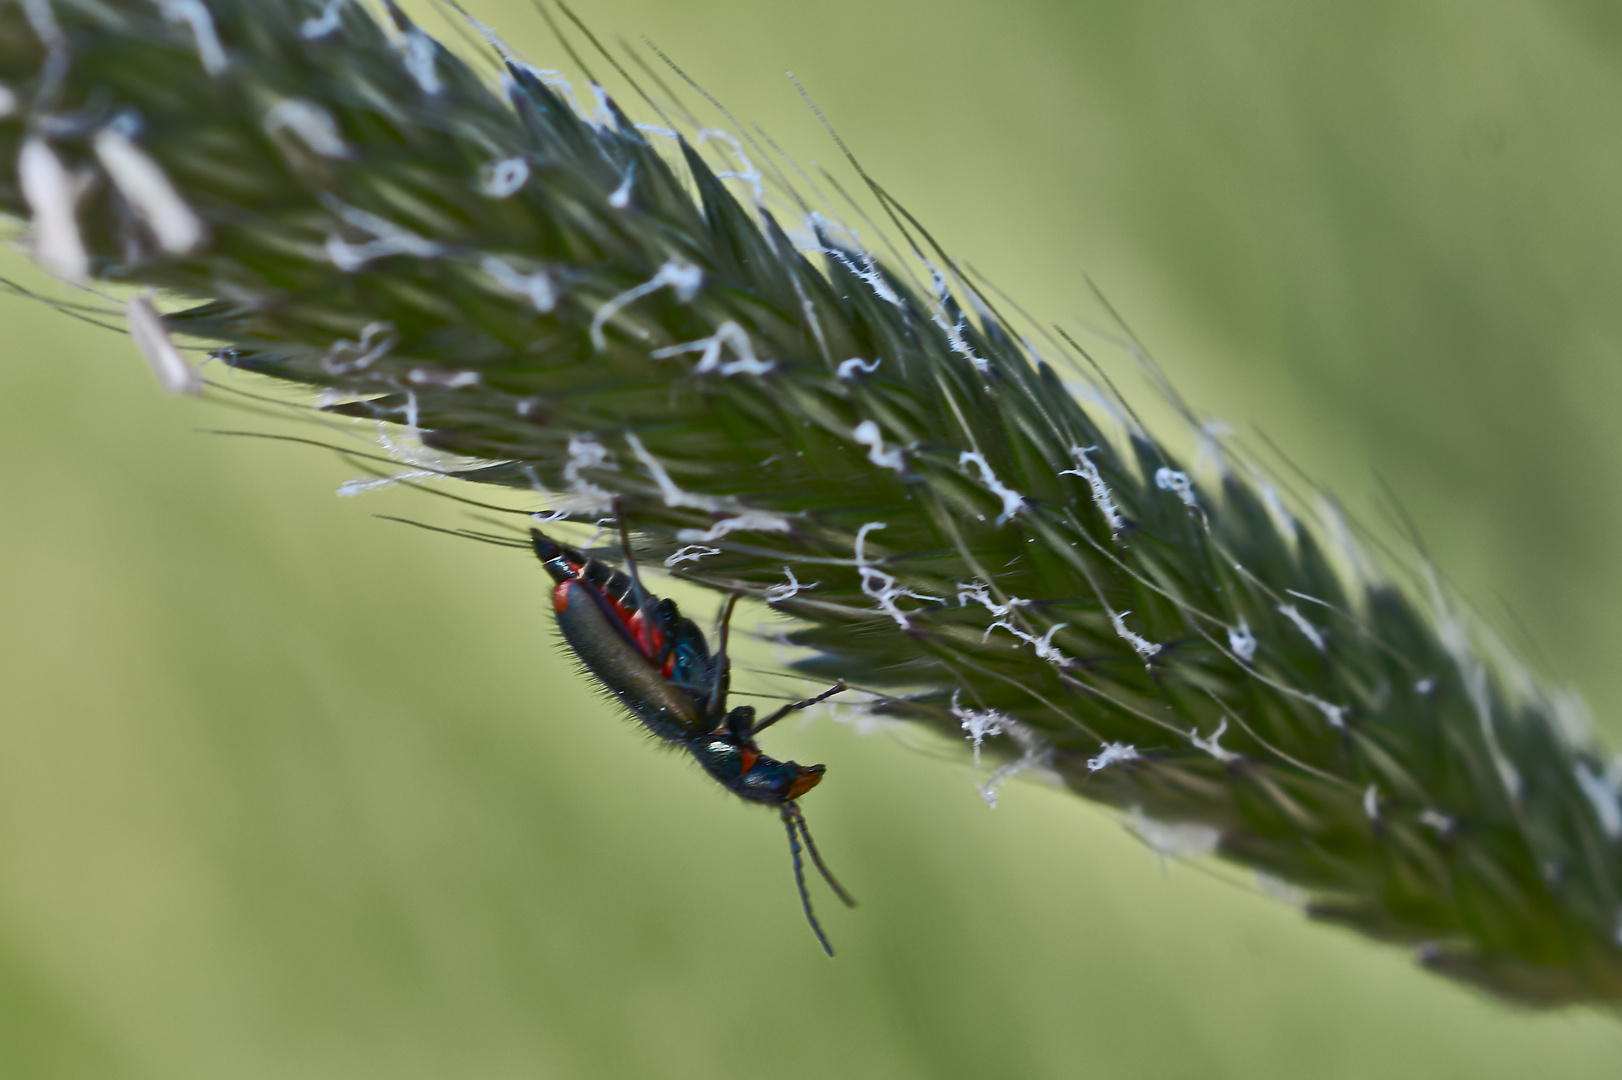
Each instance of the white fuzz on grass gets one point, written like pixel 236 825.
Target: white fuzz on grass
pixel 668 488
pixel 690 553
pixel 174 374
pixel 1604 792
pixel 1242 641
pixel 849 369
pixel 1035 753
pixel 753 521
pixel 867 434
pixel 728 335
pixel 420 58
pixel 1178 484
pixel 1101 493
pixel 195 14
pixel 980 593
pixel 52 194
pixel 1308 631
pixel 1140 644
pixel 1174 839
pixel 505 178
pixel 319 26
pixel 311 123
pixel 620 198
pixel 683 278
pixel 1042 646
pixel 880 587
pixel 1213 745
pixel 536 286
pixel 146 187
pixel 1112 753
pixel 1012 501
pixel 776 594
pixel 387 239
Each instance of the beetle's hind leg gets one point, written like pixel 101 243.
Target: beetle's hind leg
pixel 642 594
pixel 723 664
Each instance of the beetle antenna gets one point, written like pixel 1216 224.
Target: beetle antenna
pixel 791 819
pixel 722 663
pixel 796 707
pixel 816 856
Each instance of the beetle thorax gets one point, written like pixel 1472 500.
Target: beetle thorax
pixel 737 764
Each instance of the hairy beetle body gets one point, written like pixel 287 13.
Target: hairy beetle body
pixel 657 664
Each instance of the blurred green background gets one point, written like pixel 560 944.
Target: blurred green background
pixel 288 791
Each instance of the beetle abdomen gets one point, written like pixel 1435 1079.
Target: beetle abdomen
pixel 602 646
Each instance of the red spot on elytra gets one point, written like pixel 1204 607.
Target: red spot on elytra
pixel 645 635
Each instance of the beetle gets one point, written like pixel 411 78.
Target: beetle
pixel 658 665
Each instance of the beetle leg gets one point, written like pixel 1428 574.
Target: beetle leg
pixel 718 691
pixel 739 722
pixel 642 594
pixel 796 707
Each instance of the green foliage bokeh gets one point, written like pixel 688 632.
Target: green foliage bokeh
pixel 287 791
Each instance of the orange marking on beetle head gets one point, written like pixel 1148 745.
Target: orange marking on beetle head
pixel 809 777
